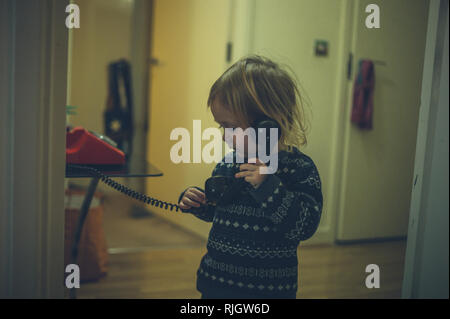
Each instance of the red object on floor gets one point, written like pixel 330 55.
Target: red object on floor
pixel 92 249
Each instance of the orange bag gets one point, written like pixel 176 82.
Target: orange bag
pixel 92 249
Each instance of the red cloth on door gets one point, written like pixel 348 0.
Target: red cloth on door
pixel 363 90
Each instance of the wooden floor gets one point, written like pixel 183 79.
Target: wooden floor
pixel 336 271
pixel 130 225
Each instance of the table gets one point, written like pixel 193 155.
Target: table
pixel 72 171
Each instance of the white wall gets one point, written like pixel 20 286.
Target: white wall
pixel 189 39
pixel 427 255
pixel 103 37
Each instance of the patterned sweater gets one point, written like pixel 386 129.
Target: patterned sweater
pixel 252 244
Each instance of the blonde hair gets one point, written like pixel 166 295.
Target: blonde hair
pixel 255 88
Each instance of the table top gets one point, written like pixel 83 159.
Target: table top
pixel 73 171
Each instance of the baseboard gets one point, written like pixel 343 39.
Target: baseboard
pixel 369 240
pixel 321 237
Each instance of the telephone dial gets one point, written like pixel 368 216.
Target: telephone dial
pixel 86 148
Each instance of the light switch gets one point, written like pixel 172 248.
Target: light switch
pixel 321 48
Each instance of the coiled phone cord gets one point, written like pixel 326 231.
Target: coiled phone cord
pixel 128 191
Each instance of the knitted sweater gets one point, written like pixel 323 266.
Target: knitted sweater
pixel 252 244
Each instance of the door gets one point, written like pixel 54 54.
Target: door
pixel 377 172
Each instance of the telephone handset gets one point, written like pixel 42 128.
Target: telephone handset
pixel 85 147
pixel 222 189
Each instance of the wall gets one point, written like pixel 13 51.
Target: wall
pixel 103 37
pixel 189 40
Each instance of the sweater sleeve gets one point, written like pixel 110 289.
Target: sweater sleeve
pixel 205 213
pixel 293 200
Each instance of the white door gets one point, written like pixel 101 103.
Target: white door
pixel 377 172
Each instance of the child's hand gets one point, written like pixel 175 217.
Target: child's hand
pixel 251 173
pixel 192 198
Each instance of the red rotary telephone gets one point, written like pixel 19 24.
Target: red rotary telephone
pixel 89 148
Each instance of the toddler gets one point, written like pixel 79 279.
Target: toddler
pixel 253 241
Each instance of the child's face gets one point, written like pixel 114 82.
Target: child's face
pixel 227 119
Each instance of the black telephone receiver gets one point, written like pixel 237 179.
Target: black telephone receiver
pixel 218 189
pixel 222 189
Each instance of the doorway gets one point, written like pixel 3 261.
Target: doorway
pixel 186 57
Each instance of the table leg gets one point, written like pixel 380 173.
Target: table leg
pixel 81 219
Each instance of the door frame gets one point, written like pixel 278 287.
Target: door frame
pixel 422 164
pixel 32 165
pixel 341 124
